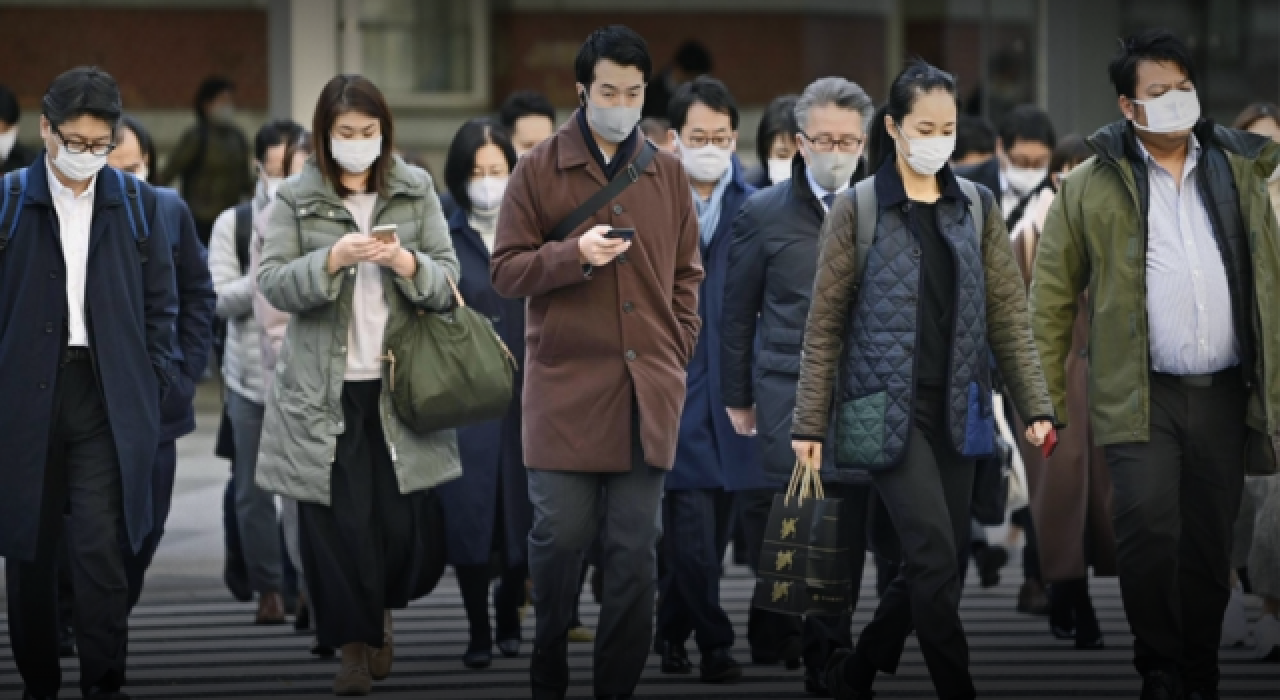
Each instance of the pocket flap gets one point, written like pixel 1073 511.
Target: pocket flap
pixel 778 362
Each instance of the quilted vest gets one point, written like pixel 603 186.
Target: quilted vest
pixel 875 404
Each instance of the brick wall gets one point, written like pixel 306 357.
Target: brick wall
pixel 158 55
pixel 759 56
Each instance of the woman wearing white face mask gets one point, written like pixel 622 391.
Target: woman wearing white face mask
pixel 356 244
pixel 914 396
pixel 775 143
pixel 487 511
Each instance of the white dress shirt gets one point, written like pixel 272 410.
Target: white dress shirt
pixel 75 214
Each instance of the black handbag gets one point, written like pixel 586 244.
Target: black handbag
pixel 991 485
pixel 804 561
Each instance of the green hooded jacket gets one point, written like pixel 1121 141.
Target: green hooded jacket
pixel 1095 239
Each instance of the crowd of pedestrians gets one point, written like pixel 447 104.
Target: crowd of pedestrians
pixel 894 298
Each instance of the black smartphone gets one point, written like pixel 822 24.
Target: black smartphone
pixel 625 234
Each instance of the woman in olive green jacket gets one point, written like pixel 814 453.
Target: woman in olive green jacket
pixel 331 439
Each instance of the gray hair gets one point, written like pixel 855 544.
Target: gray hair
pixel 837 92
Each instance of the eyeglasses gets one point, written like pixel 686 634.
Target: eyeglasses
pixel 77 147
pixel 700 140
pixel 824 143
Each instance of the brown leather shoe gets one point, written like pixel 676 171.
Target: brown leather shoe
pixel 380 659
pixel 353 676
pixel 270 609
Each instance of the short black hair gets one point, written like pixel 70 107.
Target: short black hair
pixel 275 133
pixel 1027 123
pixel 80 91
pixel 974 135
pixel 1158 45
pixel 706 90
pixel 145 143
pixel 1072 150
pixel 693 58
pixel 523 103
pixel 615 43
pixel 10 110
pixel 474 134
pixel 778 118
pixel 209 89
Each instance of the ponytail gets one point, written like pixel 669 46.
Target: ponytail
pixel 879 144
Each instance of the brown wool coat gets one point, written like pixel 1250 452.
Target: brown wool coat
pixel 628 331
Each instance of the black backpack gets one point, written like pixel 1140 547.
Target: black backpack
pixel 15 195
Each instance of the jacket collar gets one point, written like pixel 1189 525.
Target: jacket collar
pixel 1118 140
pixel 106 189
pixel 310 186
pixel 572 150
pixel 890 191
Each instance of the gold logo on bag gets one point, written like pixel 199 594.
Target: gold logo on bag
pixel 789 527
pixel 781 590
pixel 784 560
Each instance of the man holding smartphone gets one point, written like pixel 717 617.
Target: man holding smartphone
pixel 612 325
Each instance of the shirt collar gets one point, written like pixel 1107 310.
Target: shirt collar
pixel 818 190
pixel 59 190
pixel 1193 154
pixel 891 192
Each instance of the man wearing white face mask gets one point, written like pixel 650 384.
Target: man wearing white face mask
pixel 1170 230
pixel 771 266
pixel 13 155
pixel 712 460
pixel 1020 166
pixel 256 515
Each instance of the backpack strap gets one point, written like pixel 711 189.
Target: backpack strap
pixel 136 213
pixel 624 179
pixel 244 232
pixel 15 194
pixel 976 210
pixel 866 210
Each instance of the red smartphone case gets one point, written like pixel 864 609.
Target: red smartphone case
pixel 1050 443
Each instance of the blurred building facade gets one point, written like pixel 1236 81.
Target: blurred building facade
pixel 441 61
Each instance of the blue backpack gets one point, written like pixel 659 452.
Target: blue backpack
pixel 15 194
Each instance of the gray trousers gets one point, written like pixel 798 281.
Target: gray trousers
pixel 255 508
pixel 568 508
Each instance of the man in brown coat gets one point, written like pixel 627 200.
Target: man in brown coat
pixel 612 325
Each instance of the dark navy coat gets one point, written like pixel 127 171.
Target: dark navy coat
pixel 493 471
pixel 710 454
pixel 130 311
pixel 193 333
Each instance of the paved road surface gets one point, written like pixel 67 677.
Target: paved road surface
pixel 188 640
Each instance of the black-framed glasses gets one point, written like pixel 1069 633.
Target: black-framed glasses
pixel 700 140
pixel 825 143
pixel 78 147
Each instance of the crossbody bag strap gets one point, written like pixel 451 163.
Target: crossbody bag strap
pixel 624 179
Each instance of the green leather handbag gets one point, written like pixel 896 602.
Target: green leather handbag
pixel 448 369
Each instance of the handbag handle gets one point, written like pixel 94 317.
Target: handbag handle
pixel 803 481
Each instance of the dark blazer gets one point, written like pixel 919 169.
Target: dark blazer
pixel 193 333
pixel 20 157
pixel 493 471
pixel 772 263
pixel 710 455
pixel 130 310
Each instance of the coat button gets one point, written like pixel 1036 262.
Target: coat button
pixel 44 385
pixel 342 349
pixel 53 275
pixel 331 213
pixel 915 252
pixel 617 209
pixel 622 259
pixel 628 307
pixel 631 356
pixel 48 328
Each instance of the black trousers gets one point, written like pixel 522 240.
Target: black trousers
pixel 823 634
pixel 928 499
pixel 1175 500
pixel 695 534
pixel 82 480
pixel 508 596
pixel 767 631
pixel 359 552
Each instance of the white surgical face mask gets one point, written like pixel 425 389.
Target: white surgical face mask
pixel 78 167
pixel 142 173
pixel 7 141
pixel 779 169
pixel 1174 111
pixel 1023 180
pixel 705 164
pixel 613 124
pixel 486 192
pixel 355 155
pixel 928 156
pixel 833 170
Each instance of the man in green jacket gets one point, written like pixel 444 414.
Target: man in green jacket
pixel 1170 231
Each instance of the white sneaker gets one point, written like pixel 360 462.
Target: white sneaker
pixel 1235 624
pixel 1267 635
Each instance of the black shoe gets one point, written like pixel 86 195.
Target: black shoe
pixel 836 683
pixel 1203 695
pixel 302 618
pixel 990 560
pixel 96 694
pixel 510 648
pixel 1032 599
pixel 674 658
pixel 549 670
pixel 791 651
pixel 478 658
pixel 236 575
pixel 1062 613
pixel 320 650
pixel 815 683
pixel 764 658
pixel 719 666
pixel 67 642
pixel 1161 685
pixel 26 695
pixel 1088 633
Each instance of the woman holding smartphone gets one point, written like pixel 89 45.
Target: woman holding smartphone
pixel 331 439
pixel 913 402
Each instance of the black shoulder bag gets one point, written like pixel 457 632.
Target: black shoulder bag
pixel 624 179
